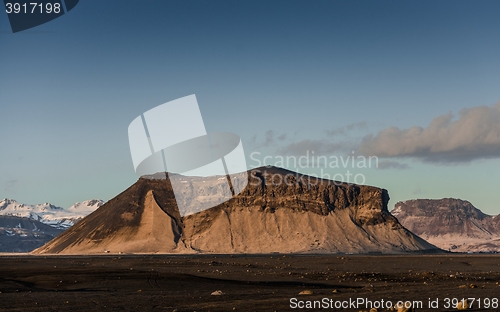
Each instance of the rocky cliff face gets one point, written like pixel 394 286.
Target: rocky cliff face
pixel 451 224
pixel 278 211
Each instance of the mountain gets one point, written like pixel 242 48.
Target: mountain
pixel 49 214
pixel 278 211
pixel 19 234
pixel 451 224
pixel 25 227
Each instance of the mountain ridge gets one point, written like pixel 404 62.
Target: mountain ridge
pixel 49 214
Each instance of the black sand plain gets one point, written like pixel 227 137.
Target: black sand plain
pixel 248 282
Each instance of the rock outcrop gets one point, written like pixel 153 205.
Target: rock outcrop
pixel 451 224
pixel 279 211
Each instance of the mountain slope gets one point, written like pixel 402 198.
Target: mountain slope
pixel 450 223
pixel 298 214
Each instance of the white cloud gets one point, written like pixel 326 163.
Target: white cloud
pixel 474 135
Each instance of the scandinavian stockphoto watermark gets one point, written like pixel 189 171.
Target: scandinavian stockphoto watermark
pixel 338 169
pixel 205 169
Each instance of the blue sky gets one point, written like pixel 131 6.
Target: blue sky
pixel 325 73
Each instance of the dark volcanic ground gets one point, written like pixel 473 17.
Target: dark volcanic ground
pixel 249 283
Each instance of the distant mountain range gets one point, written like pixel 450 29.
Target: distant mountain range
pixel 451 224
pixel 26 227
pixel 291 217
pixel 299 215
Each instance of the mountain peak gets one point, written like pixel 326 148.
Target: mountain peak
pixel 7 201
pixel 92 202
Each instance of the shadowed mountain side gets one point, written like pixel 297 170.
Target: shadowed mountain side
pixel 278 211
pixel 23 235
pixel 130 220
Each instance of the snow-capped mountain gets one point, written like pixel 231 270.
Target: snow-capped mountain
pixel 86 207
pixel 49 214
pixel 26 227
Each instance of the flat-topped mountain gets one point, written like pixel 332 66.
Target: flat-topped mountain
pixel 278 211
pixel 451 224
